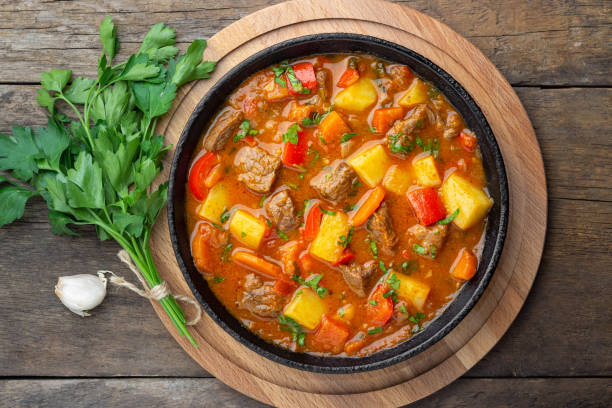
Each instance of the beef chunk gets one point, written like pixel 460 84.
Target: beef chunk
pixel 400 76
pixel 225 126
pixel 453 125
pixel 257 168
pixel 381 229
pixel 428 237
pixel 401 133
pixel 260 298
pixel 358 276
pixel 323 82
pixel 398 314
pixel 338 185
pixel 281 211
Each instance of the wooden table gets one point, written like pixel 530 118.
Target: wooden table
pixel 558 352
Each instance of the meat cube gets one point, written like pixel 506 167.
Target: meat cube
pixel 358 276
pixel 401 133
pixel 281 211
pixel 453 125
pixel 398 311
pixel 257 168
pixel 260 298
pixel 401 76
pixel 428 237
pixel 381 229
pixel 224 127
pixel 337 185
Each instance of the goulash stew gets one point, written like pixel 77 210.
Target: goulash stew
pixel 337 203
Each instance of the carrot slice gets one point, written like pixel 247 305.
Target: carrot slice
pixel 384 118
pixel 257 263
pixel 284 287
pixel 332 127
pixel 348 78
pixel 465 265
pixel 214 176
pixel 369 206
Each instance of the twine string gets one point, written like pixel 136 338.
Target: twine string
pixel 158 292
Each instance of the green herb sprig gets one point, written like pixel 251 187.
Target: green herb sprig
pixel 98 167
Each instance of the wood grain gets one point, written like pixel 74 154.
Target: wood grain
pixel 539 43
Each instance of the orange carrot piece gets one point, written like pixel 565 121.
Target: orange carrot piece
pixel 369 206
pixel 331 334
pixel 384 118
pixel 348 78
pixel 306 262
pixel 289 255
pixel 257 263
pixel 284 287
pixel 215 174
pixel 465 265
pixel 200 251
pixel 332 127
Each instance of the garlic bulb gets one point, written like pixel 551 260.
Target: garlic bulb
pixel 81 293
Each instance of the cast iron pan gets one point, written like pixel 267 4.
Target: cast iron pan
pixel 341 43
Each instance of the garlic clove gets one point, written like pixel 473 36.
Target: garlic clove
pixel 81 293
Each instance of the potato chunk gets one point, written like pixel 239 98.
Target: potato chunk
pixel 371 165
pixel 426 172
pixel 325 244
pixel 247 228
pixel 397 180
pixel 217 201
pixel 357 97
pixel 416 94
pixel 472 201
pixel 306 308
pixel 413 290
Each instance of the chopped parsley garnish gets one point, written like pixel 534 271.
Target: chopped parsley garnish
pixel 245 130
pixel 317 117
pixel 432 250
pixel 218 279
pixel 347 136
pixel 293 186
pixel 349 207
pixel 393 281
pixel 301 175
pixel 322 140
pixel 214 224
pixel 341 312
pixel 431 146
pixel 416 319
pixel 390 294
pixel 374 249
pixel 373 302
pixel 261 201
pixel 269 223
pixel 433 92
pixel 396 145
pixel 243 234
pixel 303 210
pixel 282 235
pixel 373 129
pixel 409 266
pixel 296 84
pixel 324 211
pixel 292 134
pixel 376 330
pixel 345 241
pixel 225 215
pixel 226 249
pixel 382 266
pixel 419 249
pixel 290 325
pixel 278 73
pixel 450 218
pixel 403 309
pixel 312 282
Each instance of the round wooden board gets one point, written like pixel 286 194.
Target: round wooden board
pixel 275 384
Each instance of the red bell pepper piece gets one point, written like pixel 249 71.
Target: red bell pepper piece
pixel 198 174
pixel 427 205
pixel 305 73
pixel 284 287
pixel 346 258
pixel 313 222
pixel 348 78
pixel 295 154
pixel 468 141
pixel 331 334
pixel 379 309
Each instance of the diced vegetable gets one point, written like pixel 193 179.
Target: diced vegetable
pixel 325 245
pixel 200 251
pixel 289 256
pixel 313 222
pixel 214 176
pixel 217 201
pixel 346 313
pixel 258 264
pixel 397 180
pixel 247 228
pixel 379 309
pixel 332 334
pixel 346 258
pixel 368 207
pixel 299 112
pixel 357 97
pixel 304 72
pixel 284 286
pixel 468 140
pixel 417 93
pixel 465 265
pixel 355 344
pixel 199 172
pixel 274 92
pixel 472 201
pixel 348 78
pixel 426 172
pixel 295 154
pixel 412 290
pixel 371 165
pixel 332 127
pixel 384 118
pixel 427 205
pixel 306 308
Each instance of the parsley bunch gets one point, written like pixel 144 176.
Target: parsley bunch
pixel 98 167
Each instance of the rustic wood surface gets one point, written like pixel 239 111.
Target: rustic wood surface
pixel 557 57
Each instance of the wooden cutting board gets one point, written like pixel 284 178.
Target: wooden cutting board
pixel 413 379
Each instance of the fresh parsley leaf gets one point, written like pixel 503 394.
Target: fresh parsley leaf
pixel 190 66
pixel 78 90
pixel 328 212
pixel 56 79
pixel 373 302
pixel 218 279
pixel 419 249
pixel 18 154
pixel 403 308
pixel 393 281
pixel 296 84
pixel 450 218
pixel 12 203
pixel 382 266
pixel 312 282
pixel 158 44
pixel 347 136
pixel 374 249
pixel 245 130
pixel 225 216
pixel 282 235
pixel 291 136
pixel 290 325
pixel 226 251
pixel 375 330
pixel 108 38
